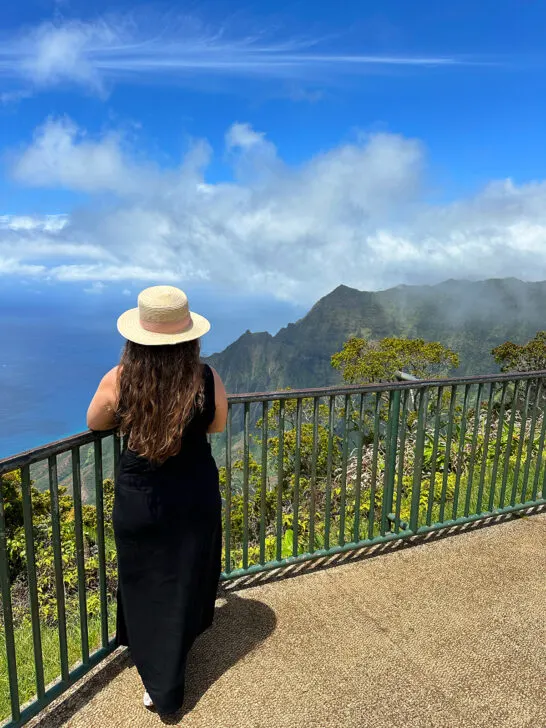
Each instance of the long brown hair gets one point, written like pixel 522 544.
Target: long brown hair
pixel 159 389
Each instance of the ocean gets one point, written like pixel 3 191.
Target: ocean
pixel 57 342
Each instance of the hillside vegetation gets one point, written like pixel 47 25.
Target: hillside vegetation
pixel 471 318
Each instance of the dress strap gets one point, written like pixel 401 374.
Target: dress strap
pixel 209 405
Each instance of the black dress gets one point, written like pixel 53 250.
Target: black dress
pixel 167 525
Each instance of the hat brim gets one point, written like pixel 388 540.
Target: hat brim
pixel 130 328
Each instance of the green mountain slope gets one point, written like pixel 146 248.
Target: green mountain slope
pixel 470 317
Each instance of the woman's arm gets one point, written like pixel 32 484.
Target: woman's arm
pixel 102 410
pixel 220 399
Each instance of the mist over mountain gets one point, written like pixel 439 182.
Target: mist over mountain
pixel 470 317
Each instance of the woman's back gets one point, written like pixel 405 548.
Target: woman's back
pixel 193 444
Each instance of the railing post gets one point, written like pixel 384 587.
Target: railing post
pixel 418 466
pixel 313 482
pixel 263 492
pixel 58 565
pixel 390 459
pixel 26 491
pixel 101 543
pixel 5 591
pixel 297 474
pixel 227 501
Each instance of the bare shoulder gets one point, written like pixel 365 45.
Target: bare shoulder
pixel 110 379
pixel 221 403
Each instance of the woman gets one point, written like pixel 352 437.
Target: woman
pixel 167 508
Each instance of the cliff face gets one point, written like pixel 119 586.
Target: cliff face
pixel 470 317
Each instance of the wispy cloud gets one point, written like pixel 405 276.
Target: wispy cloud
pixel 95 288
pixel 14 97
pixel 94 54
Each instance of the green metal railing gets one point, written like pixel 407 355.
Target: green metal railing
pixel 306 474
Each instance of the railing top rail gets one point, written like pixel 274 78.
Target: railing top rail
pixel 383 387
pixel 28 457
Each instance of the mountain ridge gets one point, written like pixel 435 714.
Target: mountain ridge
pixel 472 317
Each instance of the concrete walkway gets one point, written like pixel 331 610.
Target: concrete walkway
pixel 450 633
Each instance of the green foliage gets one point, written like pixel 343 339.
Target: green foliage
pixel 529 357
pixel 42 531
pixel 362 361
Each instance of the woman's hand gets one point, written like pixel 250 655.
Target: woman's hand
pixel 101 414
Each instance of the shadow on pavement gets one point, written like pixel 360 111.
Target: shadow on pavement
pixel 240 625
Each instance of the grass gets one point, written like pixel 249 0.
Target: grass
pixel 51 656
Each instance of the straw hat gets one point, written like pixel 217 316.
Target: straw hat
pixel 162 317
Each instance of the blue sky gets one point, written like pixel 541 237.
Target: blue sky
pixel 271 149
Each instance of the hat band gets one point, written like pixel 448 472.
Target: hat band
pixel 167 327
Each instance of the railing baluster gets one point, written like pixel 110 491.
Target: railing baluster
pixel 520 443
pixel 345 456
pixel 7 609
pixel 373 481
pixel 117 453
pixel 58 564
pixel 508 451
pixel 401 461
pixel 418 466
pixel 246 454
pixel 280 481
pixel 498 445
pixel 328 489
pixel 297 472
pixel 263 483
pixel 390 459
pixel 26 491
pixel 461 451
pixel 544 488
pixel 99 501
pixel 542 438
pixel 447 456
pixel 227 499
pixel 358 475
pixel 80 555
pixel 530 446
pixel 434 455
pixel 313 484
pixel 472 456
pixel 485 447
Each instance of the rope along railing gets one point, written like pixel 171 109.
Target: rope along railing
pixel 303 474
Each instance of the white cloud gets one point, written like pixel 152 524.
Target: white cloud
pixel 355 214
pixel 96 287
pixel 15 96
pixel 62 156
pixel 138 47
pixel 49 223
pixel 13 267
pixel 243 136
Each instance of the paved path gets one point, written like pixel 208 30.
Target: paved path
pixel 448 633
